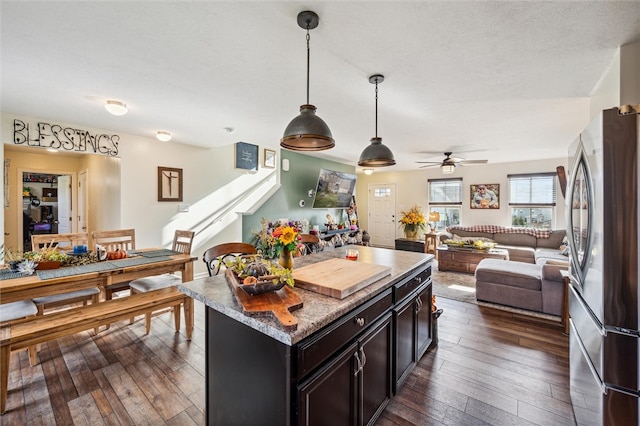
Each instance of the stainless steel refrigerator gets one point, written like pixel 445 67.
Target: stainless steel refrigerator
pixel 602 227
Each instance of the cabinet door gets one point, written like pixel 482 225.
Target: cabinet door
pixel 329 396
pixel 405 330
pixel 376 356
pixel 424 321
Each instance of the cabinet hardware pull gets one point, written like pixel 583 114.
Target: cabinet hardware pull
pixel 419 279
pixel 364 359
pixel 419 303
pixel 360 321
pixel 355 354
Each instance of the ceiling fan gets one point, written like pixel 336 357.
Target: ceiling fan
pixel 450 163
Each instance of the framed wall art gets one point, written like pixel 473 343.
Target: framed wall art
pixel 485 196
pixel 246 156
pixel 269 158
pixel 169 184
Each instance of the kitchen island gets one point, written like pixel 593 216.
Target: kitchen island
pixel 343 362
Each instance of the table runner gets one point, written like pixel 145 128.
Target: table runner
pixel 156 253
pixel 7 274
pixel 97 267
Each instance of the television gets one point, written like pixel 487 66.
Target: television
pixel 334 189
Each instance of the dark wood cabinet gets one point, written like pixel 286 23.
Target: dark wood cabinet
pixel 413 331
pixel 355 386
pixel 407 244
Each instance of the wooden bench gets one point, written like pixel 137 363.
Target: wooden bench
pixel 28 333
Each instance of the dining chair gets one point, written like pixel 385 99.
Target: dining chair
pixel 308 244
pixel 182 242
pixel 221 254
pixel 64 242
pixel 120 239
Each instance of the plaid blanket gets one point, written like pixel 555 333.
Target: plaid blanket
pixel 494 229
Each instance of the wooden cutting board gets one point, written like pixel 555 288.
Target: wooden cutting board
pixel 277 304
pixel 338 278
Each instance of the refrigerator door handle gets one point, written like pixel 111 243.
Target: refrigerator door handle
pixel 587 309
pixel 596 377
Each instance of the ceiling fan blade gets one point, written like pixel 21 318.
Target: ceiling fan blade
pixel 466 162
pixel 429 165
pixel 429 162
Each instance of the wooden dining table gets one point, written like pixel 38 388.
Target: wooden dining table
pixel 144 263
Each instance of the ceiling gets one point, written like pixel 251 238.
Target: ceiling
pixel 503 81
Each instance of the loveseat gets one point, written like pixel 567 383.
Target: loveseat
pixel 531 278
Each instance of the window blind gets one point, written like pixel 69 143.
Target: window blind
pixel 534 189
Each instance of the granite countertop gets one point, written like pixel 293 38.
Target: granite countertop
pixel 318 310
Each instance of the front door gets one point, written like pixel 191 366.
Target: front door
pixel 382 215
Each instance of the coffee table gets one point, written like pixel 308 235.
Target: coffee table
pixel 466 259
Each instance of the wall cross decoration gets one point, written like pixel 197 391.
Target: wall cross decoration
pixel 169 184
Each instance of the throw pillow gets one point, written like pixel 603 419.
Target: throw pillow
pixel 564 246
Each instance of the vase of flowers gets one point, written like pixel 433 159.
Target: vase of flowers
pixel 279 240
pixel 413 221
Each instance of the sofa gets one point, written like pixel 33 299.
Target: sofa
pixel 522 243
pixel 532 277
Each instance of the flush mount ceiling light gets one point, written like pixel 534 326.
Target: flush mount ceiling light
pixel 376 154
pixel 367 171
pixel 307 132
pixel 116 107
pixel 163 136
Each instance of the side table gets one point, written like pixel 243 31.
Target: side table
pixel 431 242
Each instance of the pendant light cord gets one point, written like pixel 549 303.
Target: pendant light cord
pixel 376 107
pixel 308 60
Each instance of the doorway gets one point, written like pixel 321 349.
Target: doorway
pixel 382 215
pixel 47 205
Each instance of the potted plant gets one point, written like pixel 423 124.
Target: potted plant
pixel 48 257
pixel 11 257
pixel 412 221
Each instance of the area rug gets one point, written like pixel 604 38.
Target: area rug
pixel 462 287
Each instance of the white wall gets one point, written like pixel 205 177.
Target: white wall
pixel 412 188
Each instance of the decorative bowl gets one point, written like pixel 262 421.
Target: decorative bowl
pixel 262 287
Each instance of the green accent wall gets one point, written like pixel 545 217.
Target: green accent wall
pixel 295 185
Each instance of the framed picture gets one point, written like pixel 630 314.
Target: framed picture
pixel 169 184
pixel 485 196
pixel 269 158
pixel 246 156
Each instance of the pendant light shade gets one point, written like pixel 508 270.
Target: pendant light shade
pixel 307 132
pixel 376 154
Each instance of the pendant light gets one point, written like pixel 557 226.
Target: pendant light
pixel 376 154
pixel 307 132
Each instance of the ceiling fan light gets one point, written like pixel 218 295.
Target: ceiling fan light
pixel 307 132
pixel 376 155
pixel 448 169
pixel 116 107
pixel 163 136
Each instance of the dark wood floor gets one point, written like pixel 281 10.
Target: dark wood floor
pixel 490 367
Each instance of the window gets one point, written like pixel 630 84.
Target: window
pixel 382 192
pixel 445 197
pixel 532 199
